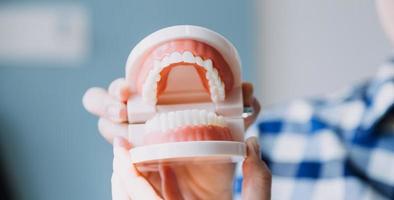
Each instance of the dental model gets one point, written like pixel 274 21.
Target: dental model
pixel 187 96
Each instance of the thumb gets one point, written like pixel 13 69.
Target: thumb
pixel 257 177
pixel 169 185
pixel 136 186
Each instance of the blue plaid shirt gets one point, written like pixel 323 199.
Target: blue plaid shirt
pixel 337 147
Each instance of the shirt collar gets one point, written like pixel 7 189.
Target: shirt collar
pixel 379 94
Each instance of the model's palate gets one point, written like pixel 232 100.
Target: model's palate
pixel 211 78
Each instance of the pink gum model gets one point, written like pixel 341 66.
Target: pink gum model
pixel 186 84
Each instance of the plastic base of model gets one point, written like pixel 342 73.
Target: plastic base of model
pixel 196 151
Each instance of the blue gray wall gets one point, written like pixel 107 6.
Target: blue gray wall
pixel 49 146
pixel 311 48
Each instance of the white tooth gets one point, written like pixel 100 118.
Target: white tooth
pixel 217 83
pixel 165 62
pixel 215 73
pixel 156 71
pixel 145 87
pixel 208 75
pixel 222 84
pixel 157 124
pixel 188 57
pixel 190 117
pixel 179 118
pixel 149 125
pixel 211 83
pixel 157 68
pixel 216 120
pixel 163 122
pixel 221 96
pixel 211 89
pixel 221 121
pixel 151 81
pixel 215 87
pixel 148 78
pixel 149 92
pixel 203 118
pixel 175 57
pixel 213 94
pixel 146 98
pixel 212 75
pixel 153 124
pixel 199 61
pixel 158 77
pixel 196 117
pixel 151 96
pixel 221 90
pixel 210 118
pixel 156 64
pixel 214 98
pixel 186 118
pixel 208 64
pixel 171 120
pixel 152 72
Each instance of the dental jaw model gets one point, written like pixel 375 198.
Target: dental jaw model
pixel 187 97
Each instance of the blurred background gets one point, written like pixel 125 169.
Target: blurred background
pixel 52 51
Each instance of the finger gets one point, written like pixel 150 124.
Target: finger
pixel 256 111
pixel 247 93
pixel 122 163
pixel 117 188
pixel 100 103
pixel 257 177
pixel 109 130
pixel 121 142
pixel 119 89
pixel 170 188
pixel 137 187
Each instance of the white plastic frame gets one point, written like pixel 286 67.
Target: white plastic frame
pixel 231 108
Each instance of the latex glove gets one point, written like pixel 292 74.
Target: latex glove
pixel 129 183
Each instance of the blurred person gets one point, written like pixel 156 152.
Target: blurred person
pixel 340 146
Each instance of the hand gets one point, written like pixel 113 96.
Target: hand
pixel 206 182
pixel 129 183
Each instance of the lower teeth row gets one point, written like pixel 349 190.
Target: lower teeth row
pixel 170 120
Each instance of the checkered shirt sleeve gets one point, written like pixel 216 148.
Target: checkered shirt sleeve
pixel 336 147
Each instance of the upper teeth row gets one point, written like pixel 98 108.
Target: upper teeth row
pixel 216 86
pixel 166 121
